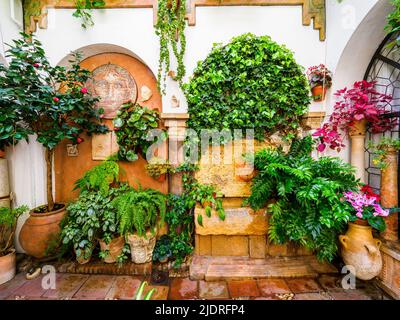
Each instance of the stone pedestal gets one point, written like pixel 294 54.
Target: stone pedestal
pixel 357 137
pixel 389 194
pixel 176 126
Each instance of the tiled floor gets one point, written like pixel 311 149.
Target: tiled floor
pixel 104 287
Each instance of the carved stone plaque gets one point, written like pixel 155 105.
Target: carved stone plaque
pixel 114 86
pixel 104 145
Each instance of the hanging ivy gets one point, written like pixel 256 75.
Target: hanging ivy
pixel 84 11
pixel 250 83
pixel 170 29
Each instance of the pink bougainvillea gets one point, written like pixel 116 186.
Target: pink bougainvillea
pixel 359 103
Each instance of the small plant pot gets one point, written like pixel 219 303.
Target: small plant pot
pixel 161 178
pixel 114 248
pixel 86 255
pixel 244 172
pixel 142 247
pixel 2 154
pixel 7 266
pixel 319 93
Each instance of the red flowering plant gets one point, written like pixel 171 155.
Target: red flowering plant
pixel 362 102
pixel 50 101
pixel 319 76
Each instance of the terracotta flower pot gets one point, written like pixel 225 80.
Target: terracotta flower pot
pixel 85 255
pixel 361 250
pixel 361 222
pixel 7 266
pixel 142 247
pixel 40 230
pixel 2 154
pixel 244 171
pixel 319 93
pixel 114 248
pixel 162 177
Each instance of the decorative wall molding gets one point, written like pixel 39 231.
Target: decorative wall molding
pixel 36 11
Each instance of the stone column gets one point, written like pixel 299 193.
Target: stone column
pixel 357 136
pixel 389 194
pixel 176 126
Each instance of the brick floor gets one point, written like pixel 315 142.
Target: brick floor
pixel 99 287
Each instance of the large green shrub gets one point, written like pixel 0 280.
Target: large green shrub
pixel 305 196
pixel 253 83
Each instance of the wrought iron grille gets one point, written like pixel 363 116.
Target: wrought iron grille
pixel 384 69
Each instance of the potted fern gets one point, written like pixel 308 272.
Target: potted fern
pixel 140 212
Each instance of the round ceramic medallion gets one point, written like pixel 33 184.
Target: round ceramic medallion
pixel 114 86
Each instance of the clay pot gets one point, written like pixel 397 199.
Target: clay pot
pixel 114 248
pixel 85 256
pixel 7 266
pixel 361 250
pixel 319 93
pixel 244 172
pixel 2 154
pixel 39 230
pixel 361 222
pixel 142 247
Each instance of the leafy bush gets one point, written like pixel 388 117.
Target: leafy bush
pixel 8 224
pixel 131 126
pixel 250 83
pixel 306 195
pixel 99 178
pixel 139 210
pixel 162 250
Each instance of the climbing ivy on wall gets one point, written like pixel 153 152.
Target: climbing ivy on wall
pixel 170 28
pixel 250 83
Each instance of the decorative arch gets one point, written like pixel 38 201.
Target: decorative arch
pixel 72 162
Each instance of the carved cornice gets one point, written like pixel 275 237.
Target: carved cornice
pixel 312 9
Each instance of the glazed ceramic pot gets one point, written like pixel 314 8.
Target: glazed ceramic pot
pixel 7 266
pixel 84 255
pixel 40 230
pixel 114 249
pixel 319 93
pixel 361 250
pixel 142 247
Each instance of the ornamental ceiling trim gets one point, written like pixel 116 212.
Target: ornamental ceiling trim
pixel 36 11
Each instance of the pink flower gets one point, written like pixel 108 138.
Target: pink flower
pixel 84 90
pixel 36 65
pixel 55 99
pixel 359 215
pixel 321 147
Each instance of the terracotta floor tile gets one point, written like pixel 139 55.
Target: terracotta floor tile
pixel 161 292
pixel 312 296
pixel 124 288
pixel 31 288
pixel 330 283
pixel 183 289
pixel 66 286
pixel 6 289
pixel 96 287
pixel 302 285
pixel 213 290
pixel 243 288
pixel 272 286
pixel 350 295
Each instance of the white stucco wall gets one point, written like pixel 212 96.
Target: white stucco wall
pixel 132 30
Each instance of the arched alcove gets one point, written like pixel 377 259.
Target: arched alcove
pixel 119 75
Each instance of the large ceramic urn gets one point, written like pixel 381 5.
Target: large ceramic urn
pixel 41 231
pixel 142 247
pixel 361 251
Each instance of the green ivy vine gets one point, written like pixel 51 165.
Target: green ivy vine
pixel 170 28
pixel 84 11
pixel 250 83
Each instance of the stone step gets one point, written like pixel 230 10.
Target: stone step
pixel 239 268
